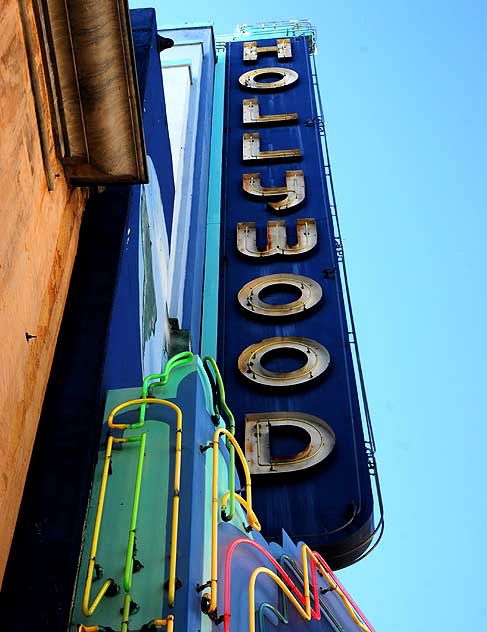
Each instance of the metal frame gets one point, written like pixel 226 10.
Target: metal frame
pixel 296 28
pixel 370 446
pixel 283 28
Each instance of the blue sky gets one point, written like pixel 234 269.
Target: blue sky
pixel 405 99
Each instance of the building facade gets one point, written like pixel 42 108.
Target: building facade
pixel 67 125
pixel 204 458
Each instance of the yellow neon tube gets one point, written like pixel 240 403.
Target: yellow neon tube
pixel 87 609
pixel 167 623
pixel 126 613
pixel 305 551
pixel 254 524
pixel 245 505
pixel 341 594
pixel 177 478
pixel 251 517
pixel 305 613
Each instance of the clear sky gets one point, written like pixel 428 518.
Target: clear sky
pixel 405 101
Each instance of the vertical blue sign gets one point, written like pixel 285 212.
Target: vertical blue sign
pixel 283 339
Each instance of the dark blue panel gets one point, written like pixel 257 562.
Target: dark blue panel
pixel 123 366
pixel 195 265
pixel 123 354
pixel 151 89
pixel 329 505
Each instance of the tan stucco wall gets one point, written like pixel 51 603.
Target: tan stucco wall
pixel 38 240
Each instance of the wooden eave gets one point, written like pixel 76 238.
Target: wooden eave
pixel 95 94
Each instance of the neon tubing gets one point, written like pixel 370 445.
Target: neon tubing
pixel 126 613
pixel 155 623
pixel 346 598
pixel 178 360
pixel 274 562
pixel 316 561
pixel 251 518
pixel 167 623
pixel 177 477
pixel 160 379
pixel 129 559
pixel 231 426
pixel 282 616
pixel 245 505
pixel 305 613
pixel 286 558
pixel 87 609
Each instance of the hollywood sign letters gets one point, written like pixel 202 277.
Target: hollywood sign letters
pixel 282 200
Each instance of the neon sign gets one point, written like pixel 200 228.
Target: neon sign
pixel 283 344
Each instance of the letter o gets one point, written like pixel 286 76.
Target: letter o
pixel 249 298
pixel 250 79
pixel 316 355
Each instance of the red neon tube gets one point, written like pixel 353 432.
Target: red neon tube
pixel 315 613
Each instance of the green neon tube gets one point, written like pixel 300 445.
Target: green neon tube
pixel 208 360
pixel 178 360
pixel 129 560
pixel 286 558
pixel 282 616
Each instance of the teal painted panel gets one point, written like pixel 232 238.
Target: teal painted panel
pixel 152 526
pixel 210 294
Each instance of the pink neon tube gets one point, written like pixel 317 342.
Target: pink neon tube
pixel 340 585
pixel 315 613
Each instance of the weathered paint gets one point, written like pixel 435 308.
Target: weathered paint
pixel 40 230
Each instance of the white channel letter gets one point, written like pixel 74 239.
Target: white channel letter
pixel 282 47
pixel 250 298
pixel 316 360
pixel 253 78
pixel 259 428
pixel 252 115
pixel 251 151
pixel 276 238
pixel 294 191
